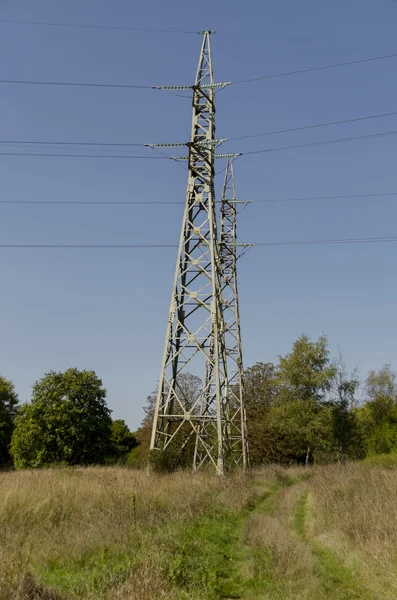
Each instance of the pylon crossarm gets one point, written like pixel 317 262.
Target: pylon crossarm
pixel 179 88
pixel 217 156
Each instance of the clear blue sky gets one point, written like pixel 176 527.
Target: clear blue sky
pixel 107 309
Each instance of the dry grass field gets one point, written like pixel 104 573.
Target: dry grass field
pixel 277 534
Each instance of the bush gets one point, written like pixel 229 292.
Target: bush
pixel 387 461
pixel 165 461
pixel 134 458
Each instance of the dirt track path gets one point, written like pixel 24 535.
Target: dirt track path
pixel 277 559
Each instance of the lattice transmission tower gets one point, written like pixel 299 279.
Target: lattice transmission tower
pixel 196 337
pixel 236 418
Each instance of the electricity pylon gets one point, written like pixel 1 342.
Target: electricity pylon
pixel 233 410
pixel 236 429
pixel 195 337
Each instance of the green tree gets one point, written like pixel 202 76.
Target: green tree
pixel 66 421
pixel 379 415
pixel 260 391
pixel 306 372
pixel 8 410
pixel 342 401
pixel 122 440
pixel 305 376
pixel 381 390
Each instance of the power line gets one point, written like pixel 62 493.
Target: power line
pixel 96 202
pixel 321 143
pixel 43 154
pixel 312 69
pixel 316 125
pixel 364 240
pixel 179 202
pixel 68 149
pixel 87 246
pixel 140 145
pixel 55 143
pixel 131 86
pixel 109 27
pixel 76 84
pixel 317 198
pixel 266 150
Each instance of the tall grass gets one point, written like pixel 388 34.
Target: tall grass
pixel 353 511
pixel 88 532
pixel 120 534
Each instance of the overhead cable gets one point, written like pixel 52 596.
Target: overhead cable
pixel 166 157
pixel 364 240
pixel 115 156
pixel 96 202
pixel 315 126
pixel 94 246
pixel 312 69
pixel 140 145
pixel 76 84
pixel 56 143
pixel 88 26
pixel 179 202
pixel 321 143
pixel 316 198
pixel 132 86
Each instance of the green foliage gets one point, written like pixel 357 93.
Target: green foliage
pixel 301 513
pixel 387 461
pixel 305 376
pixel 204 557
pixel 382 437
pixel 134 459
pixel 306 373
pixel 346 436
pixel 165 461
pixel 381 392
pixel 379 415
pixel 88 574
pixel 260 389
pixel 8 409
pixel 303 408
pixel 122 440
pixel 67 421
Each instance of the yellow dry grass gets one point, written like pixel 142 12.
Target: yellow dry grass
pixel 120 534
pixel 353 512
pixel 106 523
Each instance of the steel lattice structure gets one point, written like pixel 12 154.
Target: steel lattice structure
pixel 196 337
pixel 236 419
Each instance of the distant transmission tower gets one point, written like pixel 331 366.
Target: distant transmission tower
pixel 196 338
pixel 236 417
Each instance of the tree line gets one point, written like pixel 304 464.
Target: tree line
pixel 305 408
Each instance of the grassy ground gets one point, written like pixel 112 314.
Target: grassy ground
pixel 104 534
